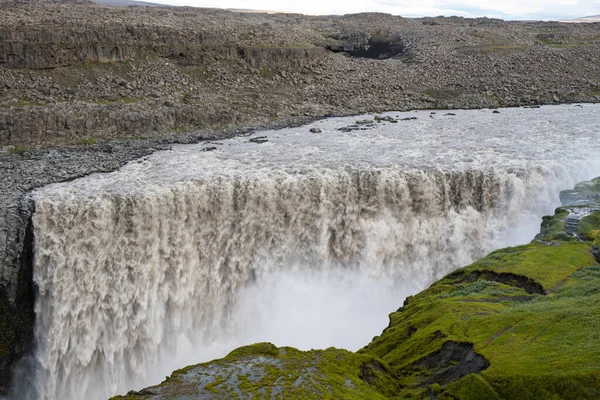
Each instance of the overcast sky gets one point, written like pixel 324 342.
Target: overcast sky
pixel 507 9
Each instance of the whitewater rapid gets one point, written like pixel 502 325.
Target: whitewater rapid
pixel 304 239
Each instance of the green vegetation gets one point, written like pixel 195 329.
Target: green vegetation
pixel 589 227
pixel 18 150
pixel 120 100
pixel 25 103
pixel 564 45
pixel 521 323
pixel 263 370
pixel 553 225
pixel 86 141
pixel 593 186
pixel 583 193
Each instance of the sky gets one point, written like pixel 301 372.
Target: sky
pixel 506 9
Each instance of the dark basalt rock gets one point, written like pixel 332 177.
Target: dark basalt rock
pixel 259 139
pixel 519 281
pixel 452 362
pixel 379 50
pixel 368 371
pixel 17 309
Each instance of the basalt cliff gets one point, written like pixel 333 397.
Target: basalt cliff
pixel 72 71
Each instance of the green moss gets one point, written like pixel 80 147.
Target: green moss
pixel 563 45
pixel 259 349
pixel 473 387
pixel 257 370
pixel 17 150
pixel 86 141
pixel 590 186
pixel 589 227
pixel 553 226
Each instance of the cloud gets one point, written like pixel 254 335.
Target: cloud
pixel 509 9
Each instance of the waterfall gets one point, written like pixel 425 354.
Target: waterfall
pixel 133 273
pixel 122 279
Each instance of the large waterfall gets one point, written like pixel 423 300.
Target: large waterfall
pixel 154 266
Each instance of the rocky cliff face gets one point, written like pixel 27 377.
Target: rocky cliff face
pixel 73 70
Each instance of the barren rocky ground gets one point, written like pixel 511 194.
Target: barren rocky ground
pixel 72 71
pixel 86 88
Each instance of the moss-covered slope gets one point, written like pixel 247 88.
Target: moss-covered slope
pixel 521 323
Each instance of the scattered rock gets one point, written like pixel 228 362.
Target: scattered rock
pixel 385 119
pixel 452 362
pixel 259 139
pixel 315 130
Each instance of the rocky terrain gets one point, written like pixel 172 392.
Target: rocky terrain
pixel 72 71
pixel 86 88
pixel 521 323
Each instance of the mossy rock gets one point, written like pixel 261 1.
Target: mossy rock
pixel 583 193
pixel 589 227
pixel 265 371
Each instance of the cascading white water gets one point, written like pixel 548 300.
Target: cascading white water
pixel 148 268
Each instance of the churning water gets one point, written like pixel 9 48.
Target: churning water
pixel 307 240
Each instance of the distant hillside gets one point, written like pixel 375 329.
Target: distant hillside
pixel 128 3
pixel 125 3
pixel 591 18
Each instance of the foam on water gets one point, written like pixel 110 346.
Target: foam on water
pixel 307 240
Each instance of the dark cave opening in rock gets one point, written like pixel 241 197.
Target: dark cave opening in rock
pixel 374 49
